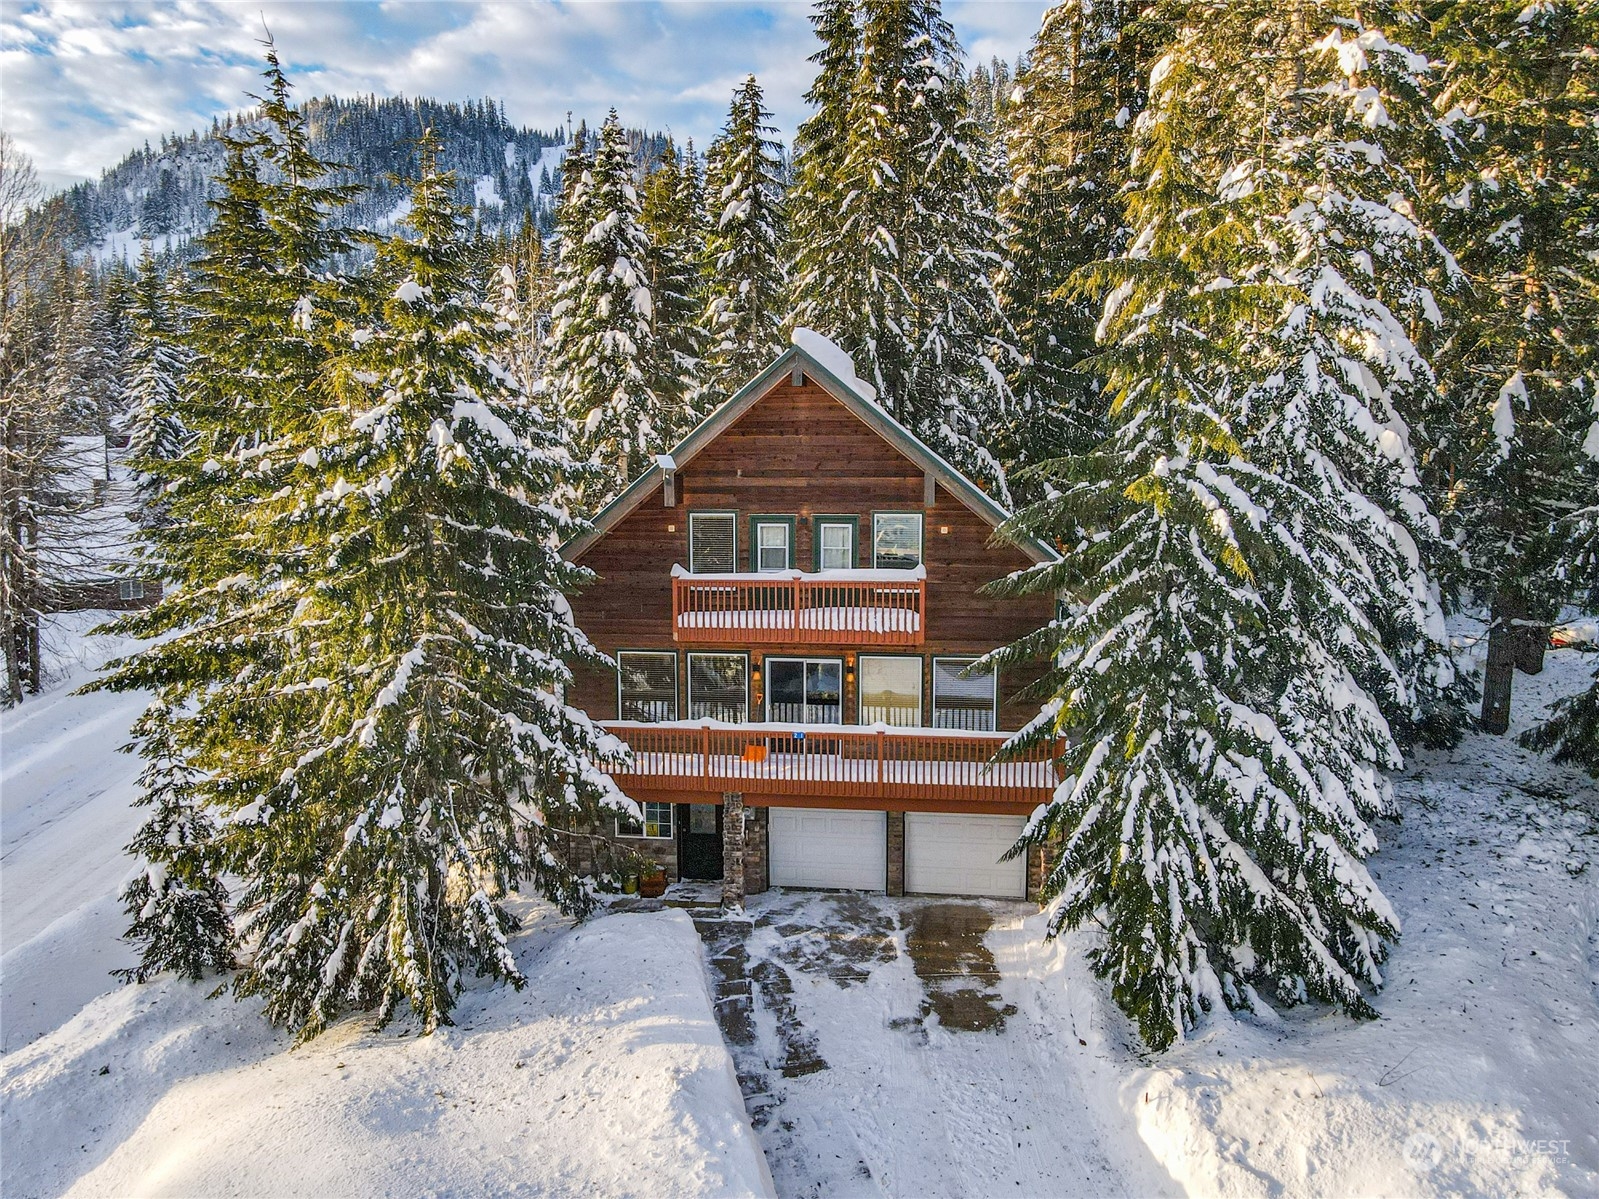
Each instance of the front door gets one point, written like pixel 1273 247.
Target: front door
pixel 805 690
pixel 699 850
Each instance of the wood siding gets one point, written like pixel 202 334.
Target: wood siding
pixel 799 452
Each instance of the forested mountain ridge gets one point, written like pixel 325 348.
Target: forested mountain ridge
pixel 505 173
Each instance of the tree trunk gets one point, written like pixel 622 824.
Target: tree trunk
pixel 1505 641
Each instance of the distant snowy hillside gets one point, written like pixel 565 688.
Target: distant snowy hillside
pixel 506 173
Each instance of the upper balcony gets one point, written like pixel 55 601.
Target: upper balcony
pixel 791 607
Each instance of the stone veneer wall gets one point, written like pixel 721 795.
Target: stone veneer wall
pixel 756 878
pixel 896 853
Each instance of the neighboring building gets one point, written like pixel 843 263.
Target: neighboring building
pixel 792 598
pixel 86 530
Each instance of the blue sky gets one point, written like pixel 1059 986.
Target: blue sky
pixel 83 83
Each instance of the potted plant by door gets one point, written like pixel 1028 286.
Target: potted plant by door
pixel 652 882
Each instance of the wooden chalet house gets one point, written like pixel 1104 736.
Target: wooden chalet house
pixel 792 599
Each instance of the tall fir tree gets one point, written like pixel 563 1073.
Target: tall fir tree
pixel 260 293
pixel 602 365
pixel 672 214
pixel 1068 129
pixel 743 266
pixel 158 362
pixel 1520 368
pixel 418 764
pixel 901 274
pixel 1241 547
pixel 818 260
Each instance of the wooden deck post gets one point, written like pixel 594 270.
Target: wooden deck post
pixel 732 851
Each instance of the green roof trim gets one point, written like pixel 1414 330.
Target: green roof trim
pixel 869 411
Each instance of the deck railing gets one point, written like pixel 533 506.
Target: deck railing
pixel 833 761
pixel 837 607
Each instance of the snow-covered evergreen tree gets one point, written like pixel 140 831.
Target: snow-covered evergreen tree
pixel 602 365
pixel 1068 129
pixel 1242 563
pixel 249 402
pixel 902 276
pixel 1520 369
pixel 671 213
pixel 416 759
pixel 158 361
pixel 744 220
pixel 176 905
pixel 818 259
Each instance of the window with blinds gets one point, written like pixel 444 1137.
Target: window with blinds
pixel 712 542
pixel 718 687
pixel 963 703
pixel 648 685
pixel 896 540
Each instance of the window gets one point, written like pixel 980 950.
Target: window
pixel 718 687
pixel 962 703
pixel 835 543
pixel 896 540
pixel 772 543
pixel 131 589
pixel 805 690
pixel 712 543
pixel 891 690
pixel 657 823
pixel 647 686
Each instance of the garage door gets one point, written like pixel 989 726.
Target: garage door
pixel 959 855
pixel 818 847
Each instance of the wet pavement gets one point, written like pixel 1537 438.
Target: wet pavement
pixel 957 970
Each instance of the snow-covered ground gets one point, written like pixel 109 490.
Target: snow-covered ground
pixel 892 1047
pixel 1482 1076
pixel 605 1076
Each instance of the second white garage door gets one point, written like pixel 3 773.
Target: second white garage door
pixel 947 854
pixel 820 847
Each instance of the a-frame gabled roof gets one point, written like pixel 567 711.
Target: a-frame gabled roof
pixel 825 368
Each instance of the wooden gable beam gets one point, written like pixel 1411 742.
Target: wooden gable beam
pixel 929 487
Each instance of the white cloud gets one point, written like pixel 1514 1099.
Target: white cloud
pixel 85 82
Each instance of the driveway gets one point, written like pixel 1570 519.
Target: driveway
pixel 883 1048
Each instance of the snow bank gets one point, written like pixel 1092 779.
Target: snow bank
pixel 1479 1078
pixel 606 1076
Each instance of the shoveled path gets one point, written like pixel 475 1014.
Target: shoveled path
pixel 879 1052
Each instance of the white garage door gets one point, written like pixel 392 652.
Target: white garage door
pixel 819 847
pixel 959 855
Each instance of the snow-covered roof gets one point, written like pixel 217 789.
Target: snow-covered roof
pixel 826 363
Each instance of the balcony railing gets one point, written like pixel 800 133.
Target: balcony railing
pixel 847 762
pixel 835 607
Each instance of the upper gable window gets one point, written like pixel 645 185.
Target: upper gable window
pixel 896 540
pixel 772 543
pixel 835 543
pixel 712 542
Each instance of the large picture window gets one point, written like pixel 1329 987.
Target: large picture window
pixel 657 823
pixel 647 685
pixel 718 687
pixel 891 690
pixel 968 702
pixel 712 542
pixel 896 540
